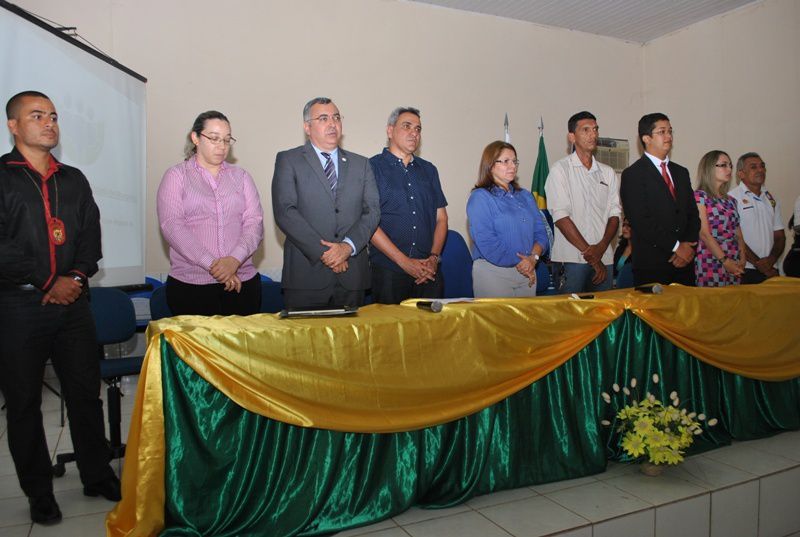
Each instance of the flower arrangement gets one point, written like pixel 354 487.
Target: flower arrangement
pixel 652 431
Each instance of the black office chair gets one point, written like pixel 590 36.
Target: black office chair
pixel 456 266
pixel 158 304
pixel 115 321
pixel 271 297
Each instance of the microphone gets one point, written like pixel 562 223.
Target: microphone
pixel 430 305
pixel 653 289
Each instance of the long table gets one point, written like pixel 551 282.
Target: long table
pixel 266 426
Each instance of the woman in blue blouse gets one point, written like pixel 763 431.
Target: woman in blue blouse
pixel 507 229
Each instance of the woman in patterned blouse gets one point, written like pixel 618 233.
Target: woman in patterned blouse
pixel 720 251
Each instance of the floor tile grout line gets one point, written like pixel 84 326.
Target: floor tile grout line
pixel 495 523
pixel 795 465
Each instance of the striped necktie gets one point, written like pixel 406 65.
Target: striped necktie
pixel 330 171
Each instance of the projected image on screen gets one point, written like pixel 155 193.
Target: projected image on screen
pixel 101 112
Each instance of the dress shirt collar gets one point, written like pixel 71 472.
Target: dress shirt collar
pixel 497 191
pixel 394 159
pixel 16 158
pixel 575 161
pixel 657 161
pixel 193 161
pixel 746 190
pixel 334 153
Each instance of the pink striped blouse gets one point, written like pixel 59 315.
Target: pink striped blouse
pixel 203 219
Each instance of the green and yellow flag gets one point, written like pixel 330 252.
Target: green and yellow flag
pixel 540 172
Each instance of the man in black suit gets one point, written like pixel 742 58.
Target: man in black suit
pixel 659 203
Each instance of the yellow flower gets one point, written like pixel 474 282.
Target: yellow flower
pixel 656 438
pixel 665 456
pixel 633 444
pixel 653 429
pixel 643 426
pixel 672 414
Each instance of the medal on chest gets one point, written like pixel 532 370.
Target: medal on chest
pixel 58 232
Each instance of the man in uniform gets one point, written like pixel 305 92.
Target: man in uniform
pixel 49 247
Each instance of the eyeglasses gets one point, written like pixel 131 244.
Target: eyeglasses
pixel 662 132
pixel 216 140
pixel 724 165
pixel 324 119
pixel 508 162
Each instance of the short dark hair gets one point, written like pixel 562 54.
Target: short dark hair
pixel 490 153
pixel 13 104
pixel 198 126
pixel 312 102
pixel 648 123
pixel 572 124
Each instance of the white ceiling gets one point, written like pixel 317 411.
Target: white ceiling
pixel 638 21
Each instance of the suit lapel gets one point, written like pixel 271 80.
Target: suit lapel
pixel 344 166
pixel 313 160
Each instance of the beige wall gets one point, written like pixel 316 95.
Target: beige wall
pixel 259 61
pixel 733 83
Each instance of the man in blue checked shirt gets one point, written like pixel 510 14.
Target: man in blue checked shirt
pixel 405 248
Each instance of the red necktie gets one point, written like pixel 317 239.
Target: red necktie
pixel 667 179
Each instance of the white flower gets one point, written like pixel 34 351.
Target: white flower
pixel 692 415
pixel 712 422
pixel 652 398
pixel 625 390
pixel 701 417
pixel 615 387
pixel 676 402
pixel 606 397
pixel 673 395
pixel 633 382
pixel 683 412
pixel 605 422
pixel 655 378
pixel 697 431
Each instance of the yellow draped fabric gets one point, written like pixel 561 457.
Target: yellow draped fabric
pixel 395 368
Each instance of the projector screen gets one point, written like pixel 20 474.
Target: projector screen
pixel 101 109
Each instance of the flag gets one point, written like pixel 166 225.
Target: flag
pixel 507 136
pixel 541 171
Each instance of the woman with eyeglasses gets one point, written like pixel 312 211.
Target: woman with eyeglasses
pixel 720 256
pixel 210 214
pixel 507 229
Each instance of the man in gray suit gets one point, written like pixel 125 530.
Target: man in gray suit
pixel 326 202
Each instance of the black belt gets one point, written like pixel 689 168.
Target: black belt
pixel 15 287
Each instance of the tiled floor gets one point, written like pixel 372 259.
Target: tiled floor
pixel 748 489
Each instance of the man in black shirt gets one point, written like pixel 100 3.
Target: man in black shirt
pixel 49 247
